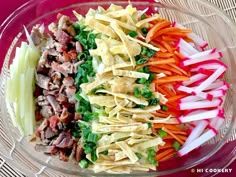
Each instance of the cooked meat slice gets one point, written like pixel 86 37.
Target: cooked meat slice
pixel 77 116
pixel 42 101
pixel 63 22
pixel 68 81
pixel 70 91
pixel 63 156
pixel 46 111
pixel 61 136
pixel 66 142
pixel 79 153
pixel 43 81
pixel 53 86
pixel 61 98
pixel 53 121
pixel 52 27
pixel 72 54
pixel 70 29
pixel 45 148
pixel 61 126
pixel 49 133
pixel 78 47
pixel 38 115
pixel 43 59
pixel 50 92
pixel 42 127
pixel 53 102
pixel 64 68
pixel 36 36
pixel 62 37
pixel 65 116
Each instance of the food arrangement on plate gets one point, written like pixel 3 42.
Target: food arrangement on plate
pixel 118 90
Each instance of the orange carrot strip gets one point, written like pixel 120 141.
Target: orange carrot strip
pixel 181 137
pixel 163 154
pixel 167 46
pixel 179 34
pixel 180 133
pixel 175 98
pixel 152 32
pixel 157 114
pixel 180 69
pixel 162 48
pixel 161 62
pixel 167 145
pixel 158 70
pixel 179 55
pixel 168 156
pixel 167 30
pixel 169 79
pixel 173 135
pixel 164 55
pixel 169 126
pixel 168 91
pixel 170 68
pixel 170 38
pixel 163 92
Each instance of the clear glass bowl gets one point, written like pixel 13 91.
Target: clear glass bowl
pixel 202 17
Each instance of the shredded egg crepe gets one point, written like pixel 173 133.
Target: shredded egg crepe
pixel 123 127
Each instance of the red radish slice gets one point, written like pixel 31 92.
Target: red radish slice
pixel 194 79
pixel 210 80
pixel 186 47
pixel 201 104
pixel 190 98
pixel 196 132
pixel 201 57
pixel 215 85
pixel 197 142
pixel 196 39
pixel 200 115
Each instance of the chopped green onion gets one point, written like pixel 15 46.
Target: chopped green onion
pixel 88 150
pixel 146 92
pixel 146 69
pixel 151 77
pixel 143 17
pixel 144 50
pixel 176 145
pixel 76 26
pixel 164 108
pixel 137 92
pixel 153 101
pixel 149 124
pixel 151 152
pixel 144 30
pixel 162 133
pixel 140 106
pixel 92 138
pixel 141 61
pixel 141 81
pixel 151 53
pixel 104 152
pixel 138 155
pixel 133 34
pixel 94 155
pixel 83 163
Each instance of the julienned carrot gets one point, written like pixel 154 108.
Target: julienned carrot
pixel 158 70
pixel 170 68
pixel 173 135
pixel 161 62
pixel 157 114
pixel 169 91
pixel 171 29
pixel 167 145
pixel 152 32
pixel 179 34
pixel 170 38
pixel 163 154
pixel 180 133
pixel 167 46
pixel 176 98
pixel 163 92
pixel 164 54
pixel 169 126
pixel 162 48
pixel 170 79
pixel 168 156
pixel 180 69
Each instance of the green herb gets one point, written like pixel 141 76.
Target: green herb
pixel 133 34
pixel 151 53
pixel 94 155
pixel 140 70
pixel 146 92
pixel 144 30
pixel 151 154
pixel 88 150
pixel 104 152
pixel 153 101
pixel 149 124
pixel 176 145
pixel 140 106
pixel 141 81
pixel 84 163
pixel 141 61
pixel 138 155
pixel 146 70
pixel 76 26
pixel 137 92
pixel 164 108
pixel 162 133
pixel 92 138
pixel 144 50
pixel 82 56
pixel 143 16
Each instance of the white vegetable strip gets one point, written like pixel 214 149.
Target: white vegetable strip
pixel 210 80
pixel 200 104
pixel 197 142
pixel 186 47
pixel 201 114
pixel 196 132
pixel 194 79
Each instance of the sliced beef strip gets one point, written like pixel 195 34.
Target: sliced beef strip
pixel 62 37
pixel 53 102
pixel 68 81
pixel 42 101
pixel 50 92
pixel 67 142
pixel 61 136
pixel 65 116
pixel 64 68
pixel 49 133
pixel 61 98
pixel 43 81
pixel 46 111
pixel 79 153
pixel 43 59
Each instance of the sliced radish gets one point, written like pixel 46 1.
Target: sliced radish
pixel 186 47
pixel 197 142
pixel 200 115
pixel 194 79
pixel 196 132
pixel 200 104
pixel 210 80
